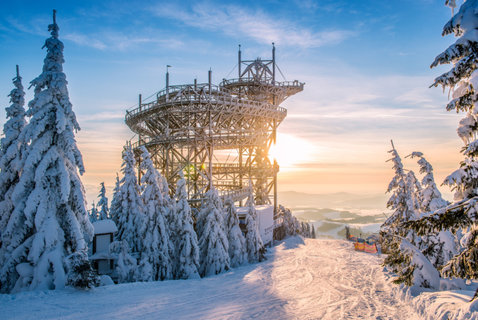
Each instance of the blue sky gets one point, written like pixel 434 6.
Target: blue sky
pixel 365 65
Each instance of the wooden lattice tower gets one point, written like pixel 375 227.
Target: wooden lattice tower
pixel 218 135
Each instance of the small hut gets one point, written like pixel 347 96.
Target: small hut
pixel 102 259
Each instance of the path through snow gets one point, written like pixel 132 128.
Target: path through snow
pixel 321 279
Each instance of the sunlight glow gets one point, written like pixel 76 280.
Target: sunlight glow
pixel 290 151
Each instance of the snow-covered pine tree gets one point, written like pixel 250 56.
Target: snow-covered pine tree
pixel 126 267
pixel 439 247
pixel 403 257
pixel 462 80
pixel 415 189
pixel 186 244
pixel 254 246
pixel 411 266
pixel 156 262
pixel 291 224
pixel 303 229
pixel 431 198
pixel 403 200
pixel 103 213
pixel 213 244
pixel 130 216
pixel 115 209
pixel 49 228
pixel 237 243
pixel 10 150
pixel 93 213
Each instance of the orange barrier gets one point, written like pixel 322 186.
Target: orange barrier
pixel 359 246
pixel 370 248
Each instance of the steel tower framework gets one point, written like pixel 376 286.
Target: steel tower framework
pixel 218 135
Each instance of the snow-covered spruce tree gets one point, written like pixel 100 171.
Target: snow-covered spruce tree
pixel 411 267
pixel 155 263
pixel 438 247
pixel 254 247
pixel 237 243
pixel 49 229
pixel 306 230
pixel 186 244
pixel 129 213
pixel 415 189
pixel 115 208
pixel 431 198
pixel 402 200
pixel 93 213
pixel 291 224
pixel 10 150
pixel 213 244
pixel 126 267
pixel 462 80
pixel 103 213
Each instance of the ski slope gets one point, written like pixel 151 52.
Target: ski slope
pixel 302 279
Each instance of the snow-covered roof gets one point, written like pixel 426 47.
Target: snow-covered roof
pixel 260 209
pixel 104 226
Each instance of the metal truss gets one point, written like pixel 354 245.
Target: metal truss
pixel 218 135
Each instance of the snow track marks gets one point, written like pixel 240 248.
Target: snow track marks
pixel 327 279
pixel 302 279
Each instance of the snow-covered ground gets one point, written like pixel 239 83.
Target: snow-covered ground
pixel 302 279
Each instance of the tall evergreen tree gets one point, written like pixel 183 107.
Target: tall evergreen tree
pixel 155 263
pixel 401 201
pixel 130 216
pixel 237 242
pixel 438 247
pixel 115 209
pixel 103 213
pixel 49 230
pixel 290 223
pixel 187 249
pixel 462 80
pixel 213 244
pixel 254 246
pixel 126 266
pixel 400 243
pixel 313 236
pixel 93 213
pixel 431 198
pixel 414 188
pixel 10 150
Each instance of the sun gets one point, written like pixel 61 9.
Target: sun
pixel 291 151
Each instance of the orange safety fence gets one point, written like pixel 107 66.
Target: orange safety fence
pixel 370 248
pixel 359 246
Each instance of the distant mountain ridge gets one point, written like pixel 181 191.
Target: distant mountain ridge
pixel 343 200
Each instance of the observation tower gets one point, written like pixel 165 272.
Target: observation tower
pixel 218 135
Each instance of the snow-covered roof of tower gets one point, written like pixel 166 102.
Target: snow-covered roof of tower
pixel 104 226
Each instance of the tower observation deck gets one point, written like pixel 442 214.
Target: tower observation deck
pixel 218 135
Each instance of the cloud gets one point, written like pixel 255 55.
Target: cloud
pixel 117 116
pixel 85 40
pixel 36 27
pixel 237 21
pixel 118 40
pixel 121 41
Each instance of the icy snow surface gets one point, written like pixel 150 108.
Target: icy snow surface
pixel 323 279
